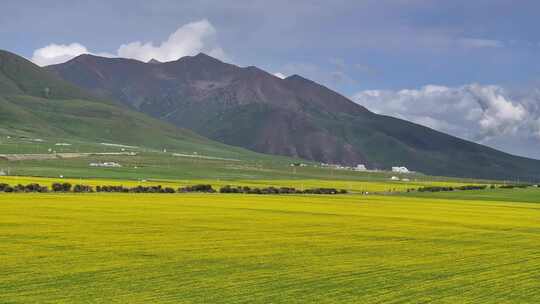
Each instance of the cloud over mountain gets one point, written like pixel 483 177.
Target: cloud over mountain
pixel 57 53
pixel 488 114
pixel 189 39
pixel 280 75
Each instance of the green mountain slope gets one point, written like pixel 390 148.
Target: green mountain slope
pixel 36 104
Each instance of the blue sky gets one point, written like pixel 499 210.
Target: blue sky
pixel 395 48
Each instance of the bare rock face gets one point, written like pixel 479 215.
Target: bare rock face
pixel 251 108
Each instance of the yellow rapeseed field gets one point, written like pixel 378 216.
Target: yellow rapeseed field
pixel 191 248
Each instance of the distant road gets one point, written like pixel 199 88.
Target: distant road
pixel 18 157
pixel 203 157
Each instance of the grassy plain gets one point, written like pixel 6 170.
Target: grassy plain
pixel 121 248
pixel 153 163
pixel 165 166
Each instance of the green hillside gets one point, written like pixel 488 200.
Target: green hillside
pixel 19 76
pixel 36 105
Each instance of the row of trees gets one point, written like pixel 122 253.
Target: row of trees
pixel 67 187
pixel 449 188
pixel 281 190
pixel 470 187
pixel 197 188
pixel 205 188
pixel 23 188
pixel 202 188
pixel 138 189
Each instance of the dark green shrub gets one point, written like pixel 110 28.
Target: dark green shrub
pixel 169 190
pixel 61 187
pixel 82 189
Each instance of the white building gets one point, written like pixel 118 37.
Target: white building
pixel 400 170
pixel 106 164
pixel 394 178
pixel 360 167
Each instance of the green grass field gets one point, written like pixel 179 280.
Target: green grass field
pixel 106 248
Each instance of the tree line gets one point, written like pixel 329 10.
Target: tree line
pixel 450 188
pixel 206 188
pixel 281 190
pixel 201 188
pixel 468 187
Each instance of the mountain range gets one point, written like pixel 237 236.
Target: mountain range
pixel 36 104
pixel 251 108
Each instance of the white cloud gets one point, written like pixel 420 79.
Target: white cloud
pixel 500 115
pixel 486 114
pixel 189 39
pixel 280 75
pixel 57 53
